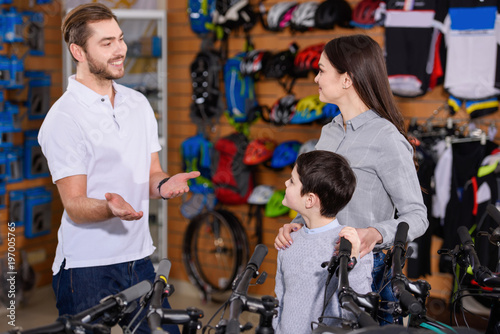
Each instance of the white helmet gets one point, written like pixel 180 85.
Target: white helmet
pixel 260 194
pixel 278 16
pixel 303 16
pixel 308 146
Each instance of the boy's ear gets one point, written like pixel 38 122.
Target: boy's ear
pixel 311 200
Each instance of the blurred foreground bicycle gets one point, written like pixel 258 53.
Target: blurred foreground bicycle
pixel 100 318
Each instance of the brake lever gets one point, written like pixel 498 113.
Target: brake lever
pixel 493 237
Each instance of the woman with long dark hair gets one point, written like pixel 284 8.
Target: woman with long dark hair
pixel 370 134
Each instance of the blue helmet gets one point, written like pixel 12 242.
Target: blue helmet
pixel 285 154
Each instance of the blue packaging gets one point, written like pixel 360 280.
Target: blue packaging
pixel 16 207
pixel 16 73
pixel 38 212
pixel 38 94
pixel 14 164
pixel 35 163
pixel 13 26
pixel 9 118
pixel 36 37
pixel 3 166
pixel 3 200
pixel 4 71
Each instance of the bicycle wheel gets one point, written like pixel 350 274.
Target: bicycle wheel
pixel 215 250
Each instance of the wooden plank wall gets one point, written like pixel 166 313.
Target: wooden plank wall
pixel 182 47
pixel 40 250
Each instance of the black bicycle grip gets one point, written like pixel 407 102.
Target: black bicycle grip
pixel 119 300
pixel 163 270
pixel 135 291
pixel 365 320
pixel 401 234
pixel 57 327
pixel 494 213
pixel 464 236
pixel 345 246
pixel 409 302
pixel 258 256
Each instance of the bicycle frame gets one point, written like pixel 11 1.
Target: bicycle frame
pixel 484 277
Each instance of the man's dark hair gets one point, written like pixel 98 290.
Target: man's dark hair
pixel 75 27
pixel 329 176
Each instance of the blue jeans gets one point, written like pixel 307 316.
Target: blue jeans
pixel 78 289
pixel 378 280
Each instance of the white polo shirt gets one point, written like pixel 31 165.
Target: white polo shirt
pixel 83 134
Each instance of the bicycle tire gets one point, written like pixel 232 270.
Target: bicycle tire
pixel 215 250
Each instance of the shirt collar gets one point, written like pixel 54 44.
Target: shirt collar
pixel 87 96
pixel 333 224
pixel 359 120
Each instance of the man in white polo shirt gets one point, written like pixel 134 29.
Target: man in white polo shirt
pixel 101 143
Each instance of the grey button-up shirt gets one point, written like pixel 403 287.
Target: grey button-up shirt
pixel 382 160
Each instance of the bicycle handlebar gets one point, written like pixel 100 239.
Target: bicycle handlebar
pixel 258 256
pixel 120 300
pixel 346 298
pixel 66 324
pixel 399 282
pixel 239 300
pixel 401 234
pixel 482 274
pixel 159 285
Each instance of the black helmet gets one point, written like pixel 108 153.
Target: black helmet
pixel 281 63
pixel 331 12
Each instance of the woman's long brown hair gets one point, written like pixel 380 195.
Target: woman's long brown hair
pixel 362 59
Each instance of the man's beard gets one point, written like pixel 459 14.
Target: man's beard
pixel 101 71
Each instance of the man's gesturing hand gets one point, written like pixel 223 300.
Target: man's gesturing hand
pixel 120 208
pixel 177 184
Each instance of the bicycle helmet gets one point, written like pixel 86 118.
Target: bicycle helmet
pixel 307 60
pixel 259 150
pixel 282 110
pixel 285 154
pixel 330 110
pixel 363 15
pixel 303 16
pixel 254 62
pixel 275 207
pixel 308 146
pixel 281 63
pixel 233 14
pixel 331 12
pixel 279 15
pixel 308 110
pixel 261 194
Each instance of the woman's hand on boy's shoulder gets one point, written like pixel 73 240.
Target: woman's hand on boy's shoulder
pixel 284 239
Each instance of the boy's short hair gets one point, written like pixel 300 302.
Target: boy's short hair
pixel 329 176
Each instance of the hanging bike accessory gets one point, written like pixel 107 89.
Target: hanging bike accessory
pixel 214 252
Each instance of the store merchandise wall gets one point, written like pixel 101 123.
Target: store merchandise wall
pixel 182 48
pixel 40 250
